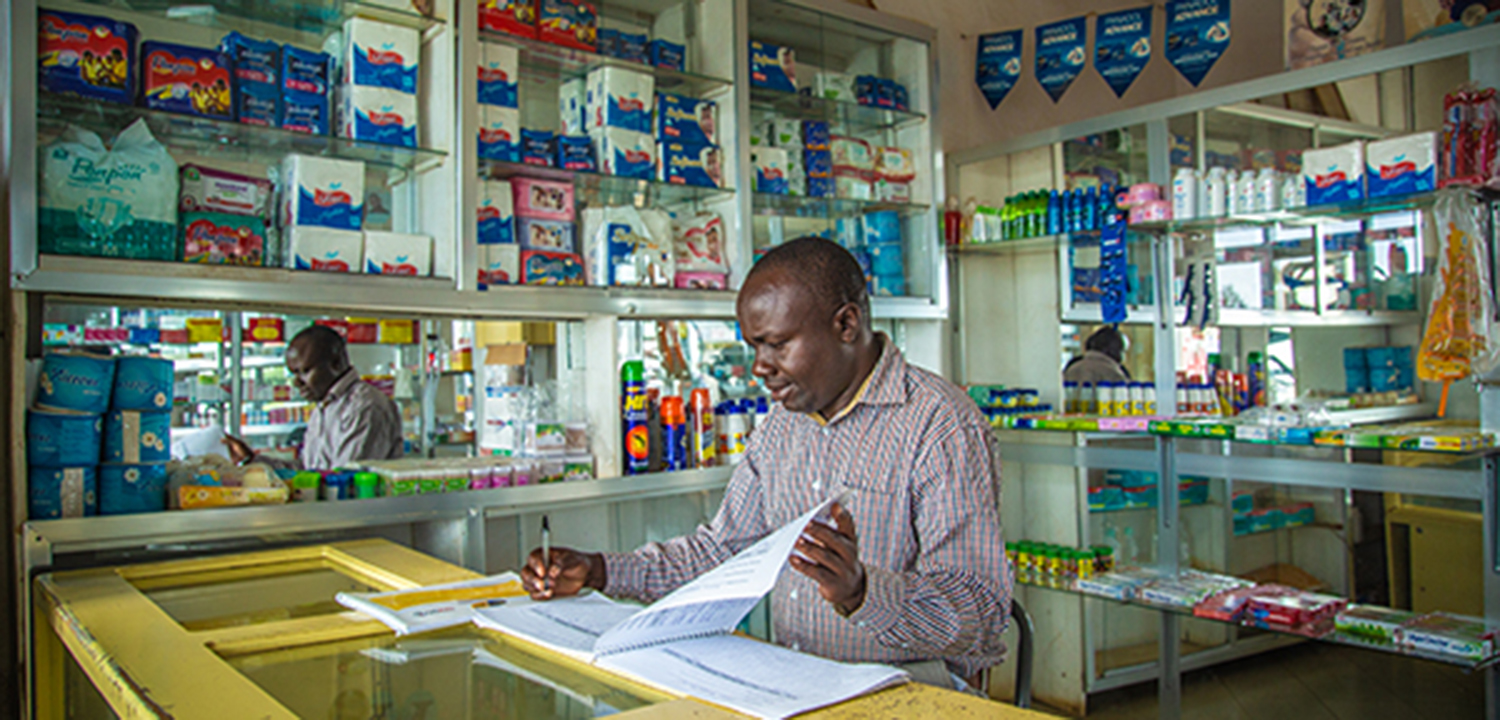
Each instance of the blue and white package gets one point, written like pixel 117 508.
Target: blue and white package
pixel 815 134
pixel 86 55
pixel 499 66
pixel 886 259
pixel 619 98
pixel 499 133
pixel 538 147
pixel 882 228
pixel 632 47
pixel 380 55
pixel 132 436
pixel 62 492
pixel 685 164
pixel 820 187
pixel 817 163
pixel 571 103
pixel 686 120
pixel 58 438
pixel 496 213
pixel 867 89
pixel 382 115
pixel 305 113
pixel 551 235
pixel 666 54
pixel 257 94
pixel 626 153
pixel 770 170
pixel 885 93
pixel 773 67
pixel 143 383
pixel 132 488
pixel 306 71
pixel 257 104
pixel 1401 165
pixel 1334 175
pixel 75 381
pixel 576 153
pixel 322 191
pixel 607 42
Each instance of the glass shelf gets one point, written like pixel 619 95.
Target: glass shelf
pixel 543 59
pixel 319 18
pixel 846 116
pixel 217 138
pixel 824 207
pixel 596 189
pixel 1294 216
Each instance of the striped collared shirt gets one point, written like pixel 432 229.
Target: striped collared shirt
pixel 925 476
pixel 354 422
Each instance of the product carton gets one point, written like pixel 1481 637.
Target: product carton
pixel 377 54
pixel 318 248
pixel 1334 175
pixel 323 191
pixel 1402 165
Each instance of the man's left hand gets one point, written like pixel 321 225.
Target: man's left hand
pixel 830 556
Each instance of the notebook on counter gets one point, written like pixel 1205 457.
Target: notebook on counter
pixel 435 606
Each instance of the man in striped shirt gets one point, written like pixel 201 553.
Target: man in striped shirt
pixel 915 571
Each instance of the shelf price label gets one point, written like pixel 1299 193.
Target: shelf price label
pixel 1060 54
pixel 998 66
pixel 1122 47
pixel 1197 34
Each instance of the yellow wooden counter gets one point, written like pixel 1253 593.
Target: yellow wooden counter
pixel 259 636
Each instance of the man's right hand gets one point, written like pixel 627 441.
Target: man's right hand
pixel 569 573
pixel 239 450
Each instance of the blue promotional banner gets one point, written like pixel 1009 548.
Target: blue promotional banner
pixel 1197 34
pixel 1122 47
pixel 999 65
pixel 1061 51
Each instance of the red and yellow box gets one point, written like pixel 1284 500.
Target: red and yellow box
pixel 267 330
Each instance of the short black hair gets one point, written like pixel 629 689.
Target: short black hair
pixel 1108 341
pixel 824 268
pixel 325 345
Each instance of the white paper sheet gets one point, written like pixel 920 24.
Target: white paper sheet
pixel 568 625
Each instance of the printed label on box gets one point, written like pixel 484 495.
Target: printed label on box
pixel 190 80
pixel 87 55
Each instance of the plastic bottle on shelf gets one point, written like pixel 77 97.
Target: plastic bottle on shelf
pixel 1054 213
pixel 1137 398
pixel 1244 193
pixel 1184 194
pixel 1267 190
pixel 1218 192
pixel 1149 394
pixel 738 430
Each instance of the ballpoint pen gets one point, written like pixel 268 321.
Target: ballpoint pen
pixel 546 548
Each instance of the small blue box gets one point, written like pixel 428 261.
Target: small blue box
pixel 304 112
pixel 684 164
pixel 257 104
pixel 817 163
pixel 773 67
pixel 86 55
pixel 256 61
pixel 576 152
pixel 867 90
pixel 538 147
pixel 629 46
pixel 903 99
pixel 666 54
pixel 815 134
pixel 885 93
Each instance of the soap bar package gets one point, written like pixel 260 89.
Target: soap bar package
pixel 773 67
pixel 499 264
pixel 619 98
pixel 189 80
pixel 499 68
pixel 570 23
pixel 1334 175
pixel 625 153
pixel 686 120
pixel 205 189
pixel 685 164
pixel 257 63
pixel 377 54
pixel 499 133
pixel 381 115
pixel 576 153
pixel 666 54
pixel 222 239
pixel 553 235
pixel 543 199
pixel 325 249
pixel 496 213
pixel 323 191
pixel 770 170
pixel 551 268
pixel 1402 165
pixel 517 17
pixel 86 55
pixel 571 102
pixel 388 253
pixel 538 147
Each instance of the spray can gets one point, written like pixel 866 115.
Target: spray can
pixel 702 442
pixel 674 451
pixel 635 414
pixel 1255 366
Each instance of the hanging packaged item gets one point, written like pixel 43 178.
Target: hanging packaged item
pixel 1459 338
pixel 188 80
pixel 86 55
pixel 120 202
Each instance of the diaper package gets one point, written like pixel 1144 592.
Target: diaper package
pixel 517 17
pixel 796 173
pixel 325 249
pixel 817 163
pixel 496 213
pixel 685 164
pixel 377 54
pixel 499 66
pixel 215 238
pixel 541 267
pixel 323 191
pixel 699 244
pixel 895 164
pixel 1402 165
pixel 206 189
pixel 257 63
pixel 666 54
pixel 86 55
pixel 499 264
pixel 543 199
pixel 389 253
pixel 624 245
pixel 552 235
pixel 570 23
pixel 379 115
pixel 851 154
pixel 834 86
pixel 853 184
pixel 189 80
pixel 686 120
pixel 120 202
pixel 786 133
pixel 1335 174
pixel 571 103
pixel 619 98
pixel 773 67
pixel 770 170
pixel 626 153
pixel 538 147
pixel 499 133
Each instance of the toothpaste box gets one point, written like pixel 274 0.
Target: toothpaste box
pixel 570 106
pixel 543 199
pixel 499 133
pixel 381 115
pixel 553 235
pixel 570 23
pixel 496 213
pixel 388 253
pixel 770 170
pixel 538 147
pixel 517 17
pixel 205 189
pixel 686 120
pixel 86 55
pixel 380 55
pixel 773 67
pixel 325 249
pixel 499 265
pixel 498 68
pixel 666 54
pixel 815 134
pixel 626 153
pixel 619 98
pixel 306 71
pixel 190 80
pixel 541 267
pixel 1402 165
pixel 1334 175
pixel 322 191
pixel 257 94
pixel 576 153
pixel 686 164
pixel 223 239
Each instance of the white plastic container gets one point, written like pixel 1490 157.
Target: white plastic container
pixel 1184 194
pixel 1244 193
pixel 1267 190
pixel 1218 192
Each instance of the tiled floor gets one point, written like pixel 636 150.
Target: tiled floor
pixel 1311 682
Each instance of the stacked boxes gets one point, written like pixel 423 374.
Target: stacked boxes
pixel 224 217
pixel 256 94
pixel 687 141
pixel 1378 369
pixel 499 116
pixel 499 255
pixel 617 117
pixel 322 213
pixel 379 88
pixel 545 228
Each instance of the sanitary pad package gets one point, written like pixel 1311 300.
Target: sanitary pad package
pixel 619 98
pixel 666 54
pixel 379 115
pixel 1402 165
pixel 686 120
pixel 306 82
pixel 120 202
pixel 388 253
pixel 773 67
pixel 685 164
pixel 625 152
pixel 325 249
pixel 576 153
pixel 1334 175
pixel 499 133
pixel 570 23
pixel 183 79
pixel 86 55
pixel 496 213
pixel 323 191
pixel 499 66
pixel 223 239
pixel 257 94
pixel 538 147
pixel 377 54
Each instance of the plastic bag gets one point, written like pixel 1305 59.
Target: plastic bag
pixel 623 245
pixel 1461 320
pixel 120 202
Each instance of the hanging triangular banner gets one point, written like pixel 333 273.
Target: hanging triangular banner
pixel 998 66
pixel 1197 35
pixel 1061 52
pixel 1122 47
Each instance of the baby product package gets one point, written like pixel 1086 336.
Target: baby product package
pixel 517 17
pixel 388 253
pixel 538 147
pixel 322 191
pixel 770 170
pixel 786 134
pixel 325 249
pixel 552 235
pixel 815 134
pixel 206 189
pixel 379 115
pixel 685 164
pixel 498 68
pixel 542 267
pixel 895 164
pixel 625 245
pixel 626 153
pixel 120 202
pixel 376 54
pixel 1402 165
pixel 576 153
pixel 499 133
pixel 306 84
pixel 851 154
pixel 257 63
pixel 834 86
pixel 496 213
pixel 619 98
pixel 699 244
pixel 570 106
pixel 666 54
pixel 86 55
pixel 773 67
pixel 1334 174
pixel 686 120
pixel 189 80
pixel 222 239
pixel 543 199
pixel 499 265
pixel 570 23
